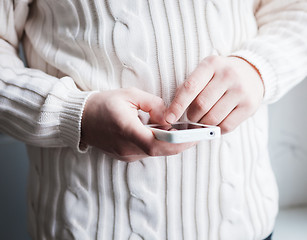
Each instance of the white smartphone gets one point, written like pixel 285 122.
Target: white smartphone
pixel 181 132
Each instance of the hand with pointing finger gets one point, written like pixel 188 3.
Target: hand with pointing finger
pixel 221 91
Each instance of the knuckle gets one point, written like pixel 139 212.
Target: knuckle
pixel 192 115
pixel 229 72
pixel 149 149
pixel 120 126
pixel 159 101
pixel 249 105
pixel 201 104
pixel 177 106
pixel 190 85
pixel 152 151
pixel 211 119
pixel 120 151
pixel 211 60
pixel 227 127
pixel 240 89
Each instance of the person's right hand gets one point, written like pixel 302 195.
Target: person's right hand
pixel 110 122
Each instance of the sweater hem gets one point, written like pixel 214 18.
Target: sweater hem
pixel 71 117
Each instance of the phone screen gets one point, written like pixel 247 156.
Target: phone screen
pixel 179 126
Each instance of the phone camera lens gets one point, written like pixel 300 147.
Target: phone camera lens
pixel 211 133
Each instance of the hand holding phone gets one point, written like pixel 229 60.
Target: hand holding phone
pixel 182 132
pixel 129 140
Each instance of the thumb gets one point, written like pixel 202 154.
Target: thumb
pixel 151 104
pixel 136 131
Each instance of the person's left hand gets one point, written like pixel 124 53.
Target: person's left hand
pixel 221 91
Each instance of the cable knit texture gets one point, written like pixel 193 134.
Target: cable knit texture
pixel 219 190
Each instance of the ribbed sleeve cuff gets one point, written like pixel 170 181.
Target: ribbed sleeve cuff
pixel 70 119
pixel 266 71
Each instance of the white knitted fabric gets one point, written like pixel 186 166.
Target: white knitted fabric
pixel 218 190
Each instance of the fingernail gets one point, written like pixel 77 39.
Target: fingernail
pixel 170 118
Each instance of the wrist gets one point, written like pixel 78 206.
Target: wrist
pixel 255 70
pixel 87 120
pixel 267 72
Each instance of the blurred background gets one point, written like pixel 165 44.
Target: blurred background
pixel 288 150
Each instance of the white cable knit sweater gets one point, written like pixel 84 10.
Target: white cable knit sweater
pixel 218 190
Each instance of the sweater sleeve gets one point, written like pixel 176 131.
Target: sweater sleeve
pixel 35 108
pixel 279 50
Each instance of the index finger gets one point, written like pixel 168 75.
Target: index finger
pixel 189 90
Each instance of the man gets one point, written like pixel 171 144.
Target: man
pixel 96 172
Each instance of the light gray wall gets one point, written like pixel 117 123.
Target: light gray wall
pixel 288 145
